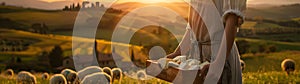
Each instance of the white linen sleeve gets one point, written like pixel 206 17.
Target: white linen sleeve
pixel 236 7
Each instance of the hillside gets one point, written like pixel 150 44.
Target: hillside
pixel 37 43
pixel 27 16
pixel 276 12
pixel 284 12
pixel 40 4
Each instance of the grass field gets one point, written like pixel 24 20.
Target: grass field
pixel 260 69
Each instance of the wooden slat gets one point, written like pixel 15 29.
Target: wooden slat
pixel 169 74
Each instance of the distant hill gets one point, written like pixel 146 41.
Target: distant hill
pixel 269 11
pixel 11 9
pixel 284 12
pixel 39 4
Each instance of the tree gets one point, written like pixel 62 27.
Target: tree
pixel 44 29
pixel 102 6
pixel 78 6
pixel 243 46
pixel 73 6
pixel 12 59
pixel 55 56
pixel 132 56
pixel 66 8
pixel 19 60
pixel 3 4
pixel 70 8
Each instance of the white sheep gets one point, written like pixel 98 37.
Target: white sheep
pixel 71 76
pixel 243 65
pixel 141 75
pixel 88 70
pixel 25 77
pixel 45 76
pixel 58 79
pixel 9 72
pixel 108 71
pixel 288 65
pixel 117 74
pixel 97 78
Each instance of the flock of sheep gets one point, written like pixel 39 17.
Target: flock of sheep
pixel 98 75
pixel 88 75
pixel 287 65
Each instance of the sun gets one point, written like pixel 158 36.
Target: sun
pixel 154 1
pixel 51 0
pixel 150 1
pixel 142 1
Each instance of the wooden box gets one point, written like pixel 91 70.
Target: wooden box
pixel 173 74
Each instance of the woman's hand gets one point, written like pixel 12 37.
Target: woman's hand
pixel 176 53
pixel 172 55
pixel 204 72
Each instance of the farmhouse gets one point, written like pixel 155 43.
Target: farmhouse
pixel 104 59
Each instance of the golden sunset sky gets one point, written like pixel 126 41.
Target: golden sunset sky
pixel 156 1
pixel 143 1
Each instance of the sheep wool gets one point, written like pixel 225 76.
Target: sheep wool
pixel 243 65
pixel 117 74
pixel 45 76
pixel 58 79
pixel 288 65
pixel 108 71
pixel 9 72
pixel 25 77
pixel 70 75
pixel 88 70
pixel 97 78
pixel 141 75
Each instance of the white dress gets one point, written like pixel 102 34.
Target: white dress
pixel 205 29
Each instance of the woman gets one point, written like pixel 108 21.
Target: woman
pixel 231 13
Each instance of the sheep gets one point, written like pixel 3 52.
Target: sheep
pixel 71 76
pixel 243 65
pixel 288 65
pixel 25 77
pixel 88 70
pixel 97 78
pixel 141 75
pixel 9 72
pixel 117 74
pixel 45 76
pixel 58 79
pixel 108 71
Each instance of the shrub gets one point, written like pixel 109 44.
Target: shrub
pixel 55 56
pixel 272 48
pixel 261 48
pixel 243 46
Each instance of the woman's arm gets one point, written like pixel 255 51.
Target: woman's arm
pixel 230 30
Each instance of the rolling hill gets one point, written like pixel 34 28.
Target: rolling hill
pixel 40 4
pixel 269 11
pixel 284 12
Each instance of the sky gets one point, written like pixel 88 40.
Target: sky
pixel 59 4
pixel 55 0
pixel 275 2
